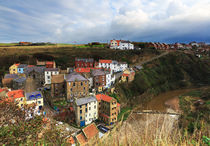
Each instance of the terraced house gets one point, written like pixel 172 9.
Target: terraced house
pixel 99 80
pixel 76 85
pixel 84 62
pixel 108 108
pixel 86 110
pixel 58 86
pixel 48 74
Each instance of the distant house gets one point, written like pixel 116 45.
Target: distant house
pixel 25 43
pixel 48 74
pixel 7 81
pixel 14 69
pixel 87 134
pixel 115 66
pixel 84 62
pixel 19 83
pixel 21 68
pixel 128 75
pixel 35 98
pixel 16 96
pixel 58 86
pixel 121 44
pixel 36 73
pixel 108 108
pixel 76 85
pixel 47 64
pixel 99 80
pixel 86 110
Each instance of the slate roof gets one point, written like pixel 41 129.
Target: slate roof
pixel 72 77
pixel 13 76
pixel 34 68
pixel 57 78
pixel 22 65
pixel 98 73
pixel 85 59
pixel 20 79
pixel 82 101
pixel 51 69
pixel 33 95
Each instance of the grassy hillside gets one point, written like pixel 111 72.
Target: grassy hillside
pixel 173 71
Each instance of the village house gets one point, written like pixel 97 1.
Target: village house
pixel 47 64
pixel 128 75
pixel 7 81
pixel 35 98
pixel 99 80
pixel 108 109
pixel 110 79
pixel 14 69
pixel 76 86
pixel 58 86
pixel 86 110
pixel 87 134
pixel 19 83
pixel 48 74
pixel 113 65
pixel 121 44
pixel 21 68
pixel 16 96
pixel 84 62
pixel 36 73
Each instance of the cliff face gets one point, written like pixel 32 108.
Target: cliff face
pixel 172 71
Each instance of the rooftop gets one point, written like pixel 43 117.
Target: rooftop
pixel 103 97
pixel 57 78
pixel 85 100
pixel 22 65
pixel 16 94
pixel 51 69
pixel 34 68
pixel 20 79
pixel 13 76
pixel 105 61
pixel 81 138
pixel 85 59
pixel 90 131
pixel 72 77
pixel 98 73
pixel 33 95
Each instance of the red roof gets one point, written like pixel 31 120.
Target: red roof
pixel 81 138
pixel 1 90
pixel 16 94
pixel 17 64
pixel 50 62
pixel 118 42
pixel 85 70
pixel 103 97
pixel 125 75
pixel 71 140
pixel 30 65
pixel 90 131
pixel 105 61
pixel 104 115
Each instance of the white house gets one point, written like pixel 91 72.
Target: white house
pixel 121 44
pixel 86 110
pixel 113 65
pixel 110 79
pixel 48 74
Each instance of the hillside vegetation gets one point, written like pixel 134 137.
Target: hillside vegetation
pixel 173 71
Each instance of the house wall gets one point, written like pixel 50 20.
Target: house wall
pixel 20 70
pixel 77 89
pixel 80 116
pixel 13 69
pixel 58 89
pixel 83 64
pixel 48 76
pixel 92 113
pixel 99 82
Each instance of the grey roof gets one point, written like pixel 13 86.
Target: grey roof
pixel 34 68
pixel 33 95
pixel 19 80
pixel 82 101
pixel 22 65
pixel 72 77
pixel 98 72
pixel 51 69
pixel 7 76
pixel 85 59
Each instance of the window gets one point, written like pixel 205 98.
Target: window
pixel 39 102
pixel 73 84
pixel 48 77
pixel 94 106
pixel 84 88
pixel 80 111
pixel 81 83
pixel 80 117
pixel 80 106
pixel 86 110
pixel 89 108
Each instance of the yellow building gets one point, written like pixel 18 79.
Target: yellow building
pixel 128 75
pixel 16 96
pixel 14 69
pixel 35 98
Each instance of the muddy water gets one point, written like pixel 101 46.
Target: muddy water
pixel 158 102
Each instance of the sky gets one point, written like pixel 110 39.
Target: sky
pixel 83 21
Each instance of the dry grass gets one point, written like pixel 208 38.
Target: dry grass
pixel 150 130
